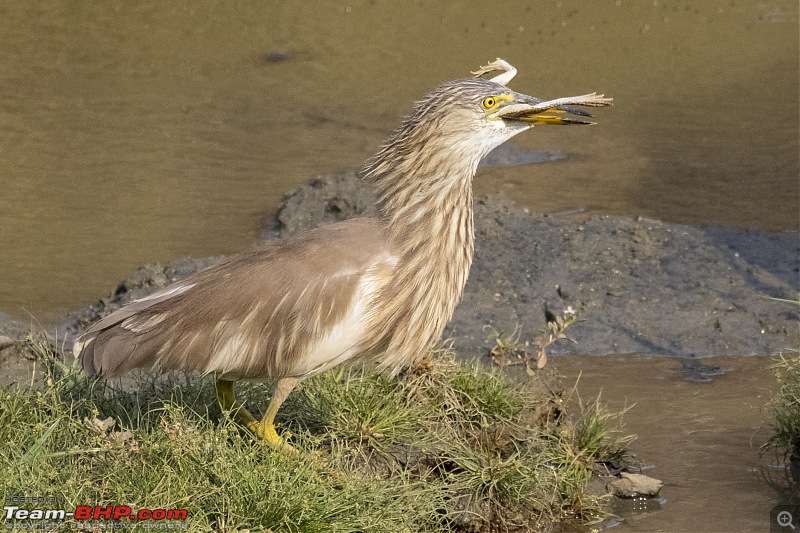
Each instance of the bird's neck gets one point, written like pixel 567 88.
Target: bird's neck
pixel 424 198
pixel 425 202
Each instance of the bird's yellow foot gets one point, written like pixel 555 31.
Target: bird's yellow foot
pixel 265 431
pixel 265 428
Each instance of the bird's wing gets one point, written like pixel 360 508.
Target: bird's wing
pixel 290 307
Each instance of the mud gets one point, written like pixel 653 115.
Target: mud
pixel 636 285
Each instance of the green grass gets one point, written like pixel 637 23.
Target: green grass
pixel 595 435
pixel 786 405
pixel 785 420
pixel 784 441
pixel 445 447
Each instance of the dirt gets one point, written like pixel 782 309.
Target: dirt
pixel 636 285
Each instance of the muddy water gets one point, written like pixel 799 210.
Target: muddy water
pixel 700 438
pixel 135 132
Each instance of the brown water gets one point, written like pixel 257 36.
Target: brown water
pixel 135 132
pixel 701 439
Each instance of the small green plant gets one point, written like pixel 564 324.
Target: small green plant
pixel 554 330
pixel 505 346
pixel 509 350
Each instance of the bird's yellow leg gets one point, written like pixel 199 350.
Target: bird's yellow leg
pixel 227 400
pixel 266 428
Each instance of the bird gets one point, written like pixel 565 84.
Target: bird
pixel 366 290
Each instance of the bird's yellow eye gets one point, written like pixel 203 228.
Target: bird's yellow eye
pixel 489 102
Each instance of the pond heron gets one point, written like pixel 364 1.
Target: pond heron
pixel 368 289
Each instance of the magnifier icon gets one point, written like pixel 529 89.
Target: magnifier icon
pixel 784 519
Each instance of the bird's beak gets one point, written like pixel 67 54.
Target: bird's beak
pixel 533 111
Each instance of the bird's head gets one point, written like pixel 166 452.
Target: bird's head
pixel 438 146
pixel 477 115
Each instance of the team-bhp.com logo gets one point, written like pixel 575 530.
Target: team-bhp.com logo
pixel 16 516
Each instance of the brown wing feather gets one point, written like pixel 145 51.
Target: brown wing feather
pixel 253 316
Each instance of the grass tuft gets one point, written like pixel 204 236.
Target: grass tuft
pixel 596 435
pixel 785 422
pixel 361 408
pixel 786 408
pixel 446 447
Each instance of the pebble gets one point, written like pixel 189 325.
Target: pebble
pixel 632 485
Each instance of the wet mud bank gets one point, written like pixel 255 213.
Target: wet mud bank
pixel 636 285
